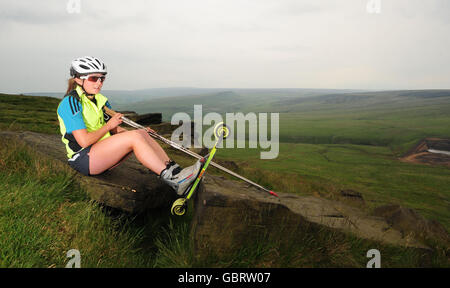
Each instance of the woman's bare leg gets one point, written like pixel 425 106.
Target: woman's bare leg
pixel 110 151
pixel 156 147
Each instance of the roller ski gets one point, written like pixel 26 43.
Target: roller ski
pixel 190 153
pixel 221 131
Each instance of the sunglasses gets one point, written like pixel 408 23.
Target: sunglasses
pixel 93 78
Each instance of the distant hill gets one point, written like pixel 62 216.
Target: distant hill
pixel 133 96
pixel 45 94
pixel 286 101
pixel 384 118
pixel 218 100
pixel 127 96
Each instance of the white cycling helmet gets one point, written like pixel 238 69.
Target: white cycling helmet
pixel 87 65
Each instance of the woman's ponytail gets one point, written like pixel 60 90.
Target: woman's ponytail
pixel 71 85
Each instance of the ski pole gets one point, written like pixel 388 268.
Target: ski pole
pixel 187 151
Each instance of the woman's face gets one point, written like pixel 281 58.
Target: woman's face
pixel 93 84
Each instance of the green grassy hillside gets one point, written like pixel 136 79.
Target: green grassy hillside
pixel 44 213
pixel 31 113
pixel 393 118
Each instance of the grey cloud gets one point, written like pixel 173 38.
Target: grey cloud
pixel 30 16
pixel 54 12
pixel 227 42
pixel 300 8
pixel 35 12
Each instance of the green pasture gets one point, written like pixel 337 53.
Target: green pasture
pixel 326 169
pixel 327 145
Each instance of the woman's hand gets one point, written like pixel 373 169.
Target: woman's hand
pixel 114 121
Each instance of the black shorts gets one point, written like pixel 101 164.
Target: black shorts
pixel 80 161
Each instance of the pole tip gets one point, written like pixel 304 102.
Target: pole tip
pixel 273 193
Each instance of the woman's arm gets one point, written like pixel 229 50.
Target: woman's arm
pixel 85 138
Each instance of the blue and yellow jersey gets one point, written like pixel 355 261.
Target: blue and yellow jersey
pixel 76 111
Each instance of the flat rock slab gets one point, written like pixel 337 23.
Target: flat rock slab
pixel 229 213
pixel 129 187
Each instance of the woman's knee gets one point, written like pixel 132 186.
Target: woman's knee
pixel 142 132
pixel 145 135
pixel 138 134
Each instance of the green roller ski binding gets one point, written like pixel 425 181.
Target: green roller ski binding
pixel 221 131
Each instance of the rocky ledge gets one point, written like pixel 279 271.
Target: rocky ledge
pixel 228 213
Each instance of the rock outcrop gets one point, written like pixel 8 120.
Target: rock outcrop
pixel 129 187
pixel 410 223
pixel 143 119
pixel 229 213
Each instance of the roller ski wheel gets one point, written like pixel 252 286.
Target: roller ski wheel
pixel 221 131
pixel 179 207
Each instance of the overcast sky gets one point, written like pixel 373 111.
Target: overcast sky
pixel 228 44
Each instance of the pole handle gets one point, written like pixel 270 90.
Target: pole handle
pixel 109 111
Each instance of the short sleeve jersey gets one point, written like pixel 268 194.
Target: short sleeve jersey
pixel 70 112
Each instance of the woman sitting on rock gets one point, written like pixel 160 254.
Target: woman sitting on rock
pixel 95 142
